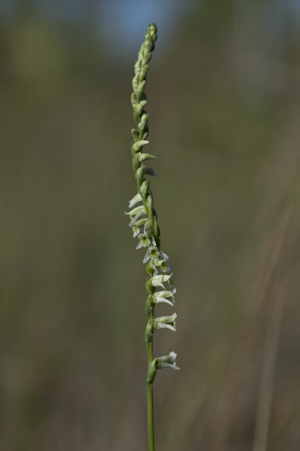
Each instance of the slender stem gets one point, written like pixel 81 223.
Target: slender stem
pixel 150 416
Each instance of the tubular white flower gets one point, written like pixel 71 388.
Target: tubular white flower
pixel 153 253
pixel 140 222
pixel 164 296
pixel 161 264
pixel 144 241
pixel 167 361
pixel 166 322
pixel 157 280
pixel 135 200
pixel 140 213
pixel 135 211
pixel 165 267
pixel 135 229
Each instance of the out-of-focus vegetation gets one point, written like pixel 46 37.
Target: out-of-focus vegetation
pixel 224 114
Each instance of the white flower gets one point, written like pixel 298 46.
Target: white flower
pixel 164 296
pixel 165 267
pixel 135 229
pixel 135 200
pixel 166 322
pixel 144 241
pixel 140 222
pixel 153 253
pixel 161 264
pixel 136 213
pixel 167 361
pixel 157 280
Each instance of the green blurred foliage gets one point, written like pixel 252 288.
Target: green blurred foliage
pixel 73 361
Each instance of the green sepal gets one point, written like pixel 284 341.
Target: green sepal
pixel 138 145
pixel 146 59
pixel 146 133
pixel 133 100
pixel 149 331
pixel 137 66
pixel 149 171
pixel 149 202
pixel 143 122
pixel 149 268
pixel 135 82
pixel 140 106
pixel 144 188
pixel 145 156
pixel 149 288
pixel 149 47
pixel 139 175
pixel 151 372
pixel 135 163
pixel 149 305
pixel 140 89
pixel 155 227
pixel 136 116
pixel 143 73
pixel 135 134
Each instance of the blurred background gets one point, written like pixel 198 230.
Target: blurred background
pixel 224 114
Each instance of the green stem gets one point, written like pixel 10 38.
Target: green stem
pixel 150 416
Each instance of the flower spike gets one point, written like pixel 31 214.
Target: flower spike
pixel 144 224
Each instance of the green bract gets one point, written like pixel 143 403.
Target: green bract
pixel 143 221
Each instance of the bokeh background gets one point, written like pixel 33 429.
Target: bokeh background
pixel 224 114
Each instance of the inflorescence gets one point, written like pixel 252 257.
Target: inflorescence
pixel 143 218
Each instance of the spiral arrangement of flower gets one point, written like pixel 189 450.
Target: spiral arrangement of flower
pixel 143 221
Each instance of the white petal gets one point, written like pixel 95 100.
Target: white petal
pixel 147 257
pixel 139 245
pixel 167 319
pixel 135 200
pixel 172 356
pixel 159 300
pixel 168 365
pixel 155 283
pixel 168 358
pixel 135 210
pixel 159 278
pixel 164 255
pixel 165 326
pixel 165 294
pixel 138 215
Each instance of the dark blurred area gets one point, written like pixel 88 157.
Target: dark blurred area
pixel 224 114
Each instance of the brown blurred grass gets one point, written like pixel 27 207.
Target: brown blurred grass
pixel 72 315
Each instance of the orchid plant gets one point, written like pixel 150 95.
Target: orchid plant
pixel 143 222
